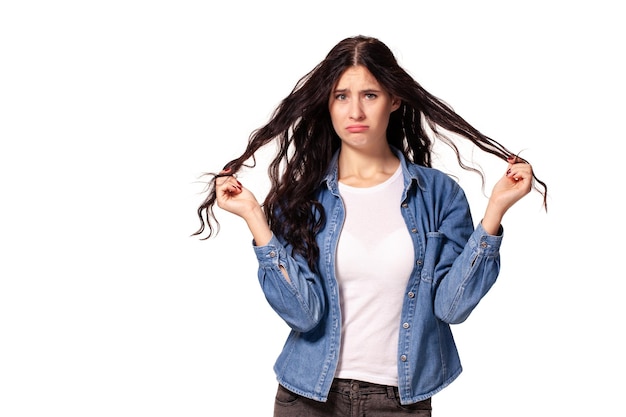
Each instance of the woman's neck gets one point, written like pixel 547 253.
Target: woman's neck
pixel 359 168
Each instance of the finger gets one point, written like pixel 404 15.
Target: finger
pixel 519 171
pixel 232 186
pixel 233 189
pixel 226 172
pixel 226 178
pixel 227 193
pixel 515 159
pixel 228 185
pixel 516 176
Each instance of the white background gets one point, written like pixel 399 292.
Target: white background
pixel 110 112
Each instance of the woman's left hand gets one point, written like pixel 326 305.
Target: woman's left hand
pixel 515 184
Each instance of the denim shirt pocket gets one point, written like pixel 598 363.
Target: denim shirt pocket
pixel 434 242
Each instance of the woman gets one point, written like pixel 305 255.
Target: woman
pixel 366 251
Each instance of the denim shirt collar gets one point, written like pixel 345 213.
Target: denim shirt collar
pixel 410 172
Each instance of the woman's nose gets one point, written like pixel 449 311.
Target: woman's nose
pixel 356 111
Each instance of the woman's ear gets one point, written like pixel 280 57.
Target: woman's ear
pixel 395 103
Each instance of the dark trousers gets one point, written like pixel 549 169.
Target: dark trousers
pixel 349 398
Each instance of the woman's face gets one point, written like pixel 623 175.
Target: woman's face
pixel 360 109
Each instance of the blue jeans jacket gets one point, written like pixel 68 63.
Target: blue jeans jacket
pixel 455 267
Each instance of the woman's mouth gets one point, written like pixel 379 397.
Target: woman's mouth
pixel 357 128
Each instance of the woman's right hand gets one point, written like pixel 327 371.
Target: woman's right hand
pixel 233 197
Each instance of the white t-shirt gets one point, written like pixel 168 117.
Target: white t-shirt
pixel 375 257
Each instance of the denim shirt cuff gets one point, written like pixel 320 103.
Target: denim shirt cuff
pixel 268 255
pixel 488 244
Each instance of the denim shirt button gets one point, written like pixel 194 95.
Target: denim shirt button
pixel 403 358
pixel 418 262
pixel 406 325
pixel 272 254
pixel 405 205
pixel 414 230
pixel 483 244
pixel 411 294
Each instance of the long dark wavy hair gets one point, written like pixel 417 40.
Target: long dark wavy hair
pixel 302 130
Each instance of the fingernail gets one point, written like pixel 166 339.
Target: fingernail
pixel 508 172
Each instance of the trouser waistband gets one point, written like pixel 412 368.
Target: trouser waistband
pixel 355 387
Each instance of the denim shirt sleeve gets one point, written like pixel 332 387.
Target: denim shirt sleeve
pixel 470 277
pixel 299 303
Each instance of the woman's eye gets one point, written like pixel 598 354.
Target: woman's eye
pixel 340 97
pixel 370 96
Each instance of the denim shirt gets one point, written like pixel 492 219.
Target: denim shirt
pixel 455 265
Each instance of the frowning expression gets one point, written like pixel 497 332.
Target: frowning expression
pixel 360 108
